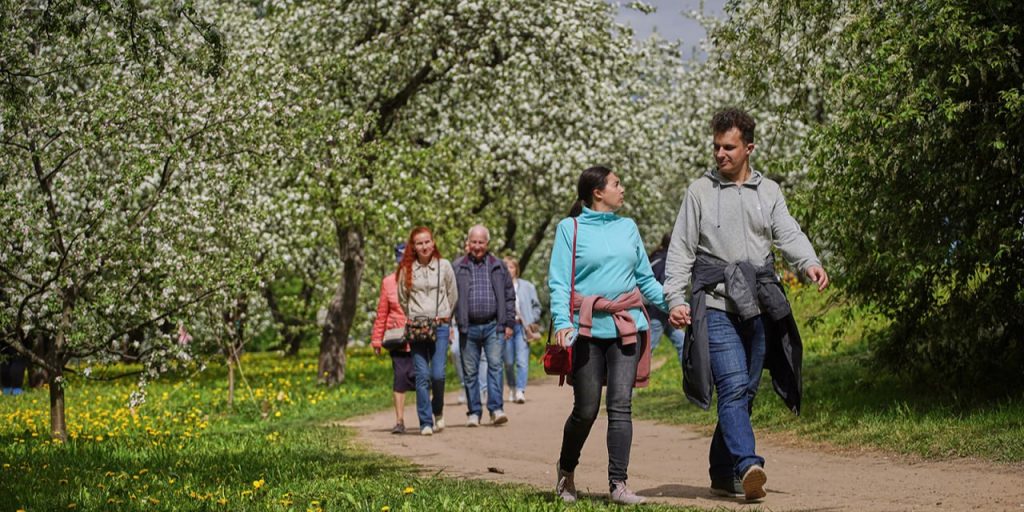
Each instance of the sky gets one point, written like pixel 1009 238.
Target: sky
pixel 669 20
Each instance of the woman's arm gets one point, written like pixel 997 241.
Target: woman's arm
pixel 645 280
pixel 559 278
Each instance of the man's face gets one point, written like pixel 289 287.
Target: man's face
pixel 731 153
pixel 477 244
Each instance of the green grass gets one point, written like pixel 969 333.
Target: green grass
pixel 279 449
pixel 848 404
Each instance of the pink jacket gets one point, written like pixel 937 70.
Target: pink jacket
pixel 619 309
pixel 389 312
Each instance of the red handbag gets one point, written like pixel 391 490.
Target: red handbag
pixel 557 359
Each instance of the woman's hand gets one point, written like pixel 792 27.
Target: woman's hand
pixel 561 335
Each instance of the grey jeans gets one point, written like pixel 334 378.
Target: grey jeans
pixel 596 362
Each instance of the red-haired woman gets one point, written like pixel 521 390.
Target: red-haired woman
pixel 426 289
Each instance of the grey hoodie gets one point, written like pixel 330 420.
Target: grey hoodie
pixel 733 223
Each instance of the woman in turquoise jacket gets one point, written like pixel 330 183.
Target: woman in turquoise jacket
pixel 604 321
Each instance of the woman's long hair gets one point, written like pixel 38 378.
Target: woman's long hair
pixel 404 270
pixel 594 178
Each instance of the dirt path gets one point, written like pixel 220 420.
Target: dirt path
pixel 669 463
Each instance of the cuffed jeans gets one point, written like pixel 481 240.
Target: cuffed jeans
pixel 677 336
pixel 737 351
pixel 517 357
pixel 486 338
pixel 428 361
pixel 596 361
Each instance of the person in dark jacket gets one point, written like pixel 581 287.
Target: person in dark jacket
pixel 740 321
pixel 486 315
pixel 659 320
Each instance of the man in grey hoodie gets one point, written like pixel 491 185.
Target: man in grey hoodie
pixel 739 319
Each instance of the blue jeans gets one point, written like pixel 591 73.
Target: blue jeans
pixel 486 338
pixel 428 361
pixel 597 362
pixel 517 357
pixel 457 358
pixel 677 336
pixel 737 357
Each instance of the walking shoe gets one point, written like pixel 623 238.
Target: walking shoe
pixel 727 488
pixel 439 423
pixel 426 431
pixel 565 487
pixel 520 397
pixel 498 417
pixel 754 479
pixel 473 421
pixel 622 495
pixel 511 395
pixel 462 397
pixel 399 428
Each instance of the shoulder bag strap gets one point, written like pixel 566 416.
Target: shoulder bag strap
pixel 437 295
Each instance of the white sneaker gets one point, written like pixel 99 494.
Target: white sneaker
pixel 511 395
pixel 520 397
pixel 473 421
pixel 462 397
pixel 426 431
pixel 439 423
pixel 498 417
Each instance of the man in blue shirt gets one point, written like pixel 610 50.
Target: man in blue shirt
pixel 485 313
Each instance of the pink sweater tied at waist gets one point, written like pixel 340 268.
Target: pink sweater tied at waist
pixel 624 324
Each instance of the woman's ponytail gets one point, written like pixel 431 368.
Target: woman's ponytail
pixel 577 208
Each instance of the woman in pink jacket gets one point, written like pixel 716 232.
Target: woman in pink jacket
pixel 390 316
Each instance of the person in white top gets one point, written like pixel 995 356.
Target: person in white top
pixel 517 349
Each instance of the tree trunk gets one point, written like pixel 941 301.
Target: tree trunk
pixel 58 425
pixel 342 309
pixel 55 358
pixel 231 382
pixel 531 246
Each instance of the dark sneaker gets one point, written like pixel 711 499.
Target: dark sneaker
pixel 399 428
pixel 565 488
pixel 754 479
pixel 728 488
pixel 622 495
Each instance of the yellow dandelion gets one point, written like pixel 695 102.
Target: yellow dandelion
pixel 277 414
pixel 258 483
pixel 385 508
pixel 222 501
pixel 72 505
pixel 408 490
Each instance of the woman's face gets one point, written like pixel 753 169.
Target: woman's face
pixel 512 269
pixel 423 244
pixel 611 197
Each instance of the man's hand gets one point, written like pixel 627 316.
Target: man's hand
pixel 679 317
pixel 818 275
pixel 561 335
pixel 508 333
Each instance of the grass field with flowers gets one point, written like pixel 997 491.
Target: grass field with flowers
pixel 185 449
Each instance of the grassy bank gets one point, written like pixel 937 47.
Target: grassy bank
pixel 848 404
pixel 185 449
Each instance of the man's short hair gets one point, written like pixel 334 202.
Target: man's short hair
pixel 732 117
pixel 479 227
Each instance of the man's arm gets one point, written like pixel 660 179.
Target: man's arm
pixel 510 301
pixel 796 248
